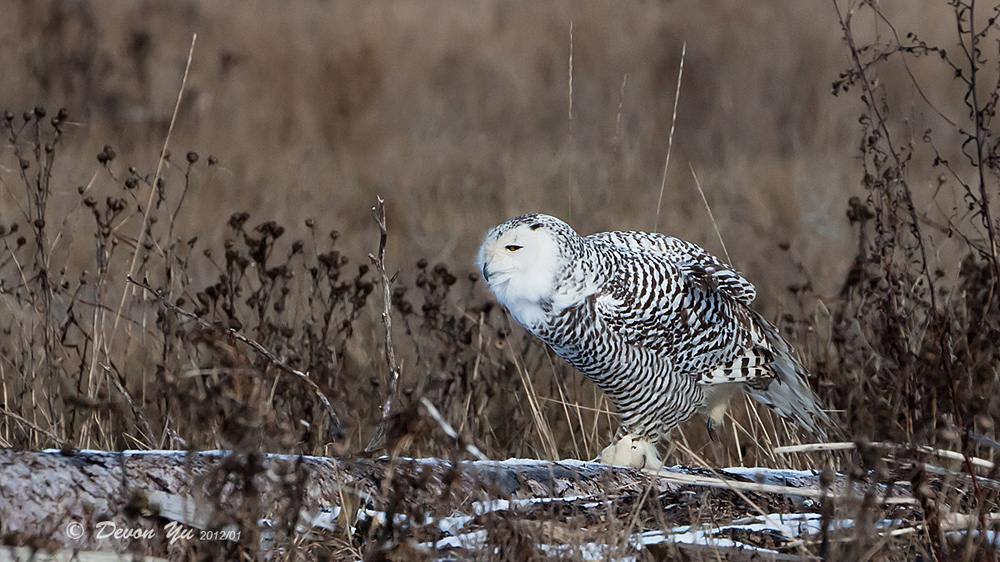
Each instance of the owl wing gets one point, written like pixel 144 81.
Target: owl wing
pixel 675 298
pixel 680 300
pixel 693 263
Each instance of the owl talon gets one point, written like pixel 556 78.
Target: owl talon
pixel 631 452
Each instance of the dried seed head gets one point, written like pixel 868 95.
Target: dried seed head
pixel 826 478
pixel 39 111
pixel 192 157
pixel 237 220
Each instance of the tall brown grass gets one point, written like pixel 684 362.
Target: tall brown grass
pixel 864 225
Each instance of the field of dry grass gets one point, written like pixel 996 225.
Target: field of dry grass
pixel 857 202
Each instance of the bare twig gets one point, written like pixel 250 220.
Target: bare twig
pixel 718 482
pixel 977 114
pixel 618 117
pixel 140 416
pixel 670 137
pixel 263 351
pixel 153 188
pixel 879 121
pixel 913 79
pixel 8 414
pixel 571 179
pixel 109 339
pixel 378 211
pixel 711 215
pixel 850 446
pixel 570 110
pixel 450 431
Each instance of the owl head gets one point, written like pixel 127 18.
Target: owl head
pixel 520 260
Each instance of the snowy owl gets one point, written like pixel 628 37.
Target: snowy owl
pixel 664 328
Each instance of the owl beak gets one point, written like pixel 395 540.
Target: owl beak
pixel 486 274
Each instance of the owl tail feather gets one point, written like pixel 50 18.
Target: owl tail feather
pixel 789 394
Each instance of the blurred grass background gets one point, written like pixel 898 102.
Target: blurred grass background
pixel 296 116
pixel 462 115
pixel 459 115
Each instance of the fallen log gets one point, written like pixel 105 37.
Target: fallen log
pixel 177 504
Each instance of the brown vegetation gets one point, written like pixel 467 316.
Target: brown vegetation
pixel 295 117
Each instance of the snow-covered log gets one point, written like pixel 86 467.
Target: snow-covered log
pixel 175 503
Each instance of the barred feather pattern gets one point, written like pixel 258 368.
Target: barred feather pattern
pixel 658 323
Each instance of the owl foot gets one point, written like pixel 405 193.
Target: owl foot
pixel 631 452
pixel 711 428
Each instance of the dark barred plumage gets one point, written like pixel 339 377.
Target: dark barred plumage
pixel 659 324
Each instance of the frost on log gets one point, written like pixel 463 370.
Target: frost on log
pixel 174 503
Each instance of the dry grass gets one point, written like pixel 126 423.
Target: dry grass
pixel 293 120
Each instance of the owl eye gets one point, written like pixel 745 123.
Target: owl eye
pixel 513 247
